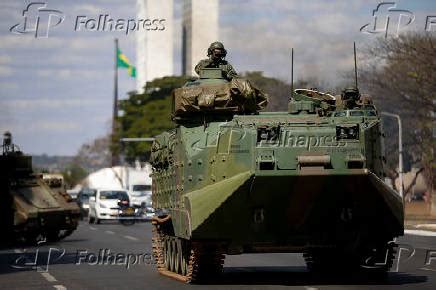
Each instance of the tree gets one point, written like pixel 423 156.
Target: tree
pixel 94 155
pixel 147 115
pixel 73 174
pixel 399 74
pixel 279 91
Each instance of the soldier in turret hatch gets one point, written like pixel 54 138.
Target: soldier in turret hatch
pixel 348 99
pixel 216 53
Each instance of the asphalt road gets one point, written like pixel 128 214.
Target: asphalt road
pixel 79 267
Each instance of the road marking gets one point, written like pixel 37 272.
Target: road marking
pixel 48 277
pixel 60 287
pixel 427 269
pixel 420 233
pixel 131 238
pixel 109 232
pixel 92 228
pixel 310 288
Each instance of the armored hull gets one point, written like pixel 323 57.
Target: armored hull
pixel 306 180
pixel 34 211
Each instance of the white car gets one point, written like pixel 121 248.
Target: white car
pixel 140 195
pixel 104 205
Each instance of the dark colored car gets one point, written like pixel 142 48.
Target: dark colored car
pixel 83 200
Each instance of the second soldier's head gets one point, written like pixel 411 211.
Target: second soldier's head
pixel 216 51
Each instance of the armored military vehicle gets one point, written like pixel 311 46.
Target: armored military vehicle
pixel 231 180
pixel 32 210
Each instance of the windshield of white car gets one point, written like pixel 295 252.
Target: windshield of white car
pixel 141 187
pixel 113 195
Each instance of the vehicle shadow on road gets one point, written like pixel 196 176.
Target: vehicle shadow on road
pixel 33 260
pixel 294 276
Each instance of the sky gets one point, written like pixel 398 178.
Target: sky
pixel 56 92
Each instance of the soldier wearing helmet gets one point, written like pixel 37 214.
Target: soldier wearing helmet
pixel 216 53
pixel 8 146
pixel 349 98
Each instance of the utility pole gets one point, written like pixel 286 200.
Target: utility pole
pixel 292 73
pixel 115 157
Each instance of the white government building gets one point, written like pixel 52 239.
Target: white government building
pixel 155 49
pixel 199 30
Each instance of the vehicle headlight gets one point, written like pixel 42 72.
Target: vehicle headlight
pixel 347 132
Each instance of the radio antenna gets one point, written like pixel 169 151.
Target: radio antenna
pixel 292 72
pixel 355 66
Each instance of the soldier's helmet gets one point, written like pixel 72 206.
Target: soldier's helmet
pixel 217 46
pixel 350 93
pixel 7 138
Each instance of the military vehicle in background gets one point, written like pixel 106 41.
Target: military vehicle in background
pixel 32 210
pixel 56 182
pixel 231 180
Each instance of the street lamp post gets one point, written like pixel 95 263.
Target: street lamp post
pixel 400 150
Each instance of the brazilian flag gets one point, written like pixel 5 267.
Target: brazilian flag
pixel 123 61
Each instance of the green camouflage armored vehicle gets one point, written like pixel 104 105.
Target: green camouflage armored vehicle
pixel 31 210
pixel 230 180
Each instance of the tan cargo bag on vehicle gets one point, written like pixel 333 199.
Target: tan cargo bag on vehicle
pixel 237 96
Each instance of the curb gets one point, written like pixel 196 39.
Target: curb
pixel 425 227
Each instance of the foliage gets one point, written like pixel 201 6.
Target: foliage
pixel 95 155
pixel 279 91
pixel 90 157
pixel 147 115
pixel 399 74
pixel 74 174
